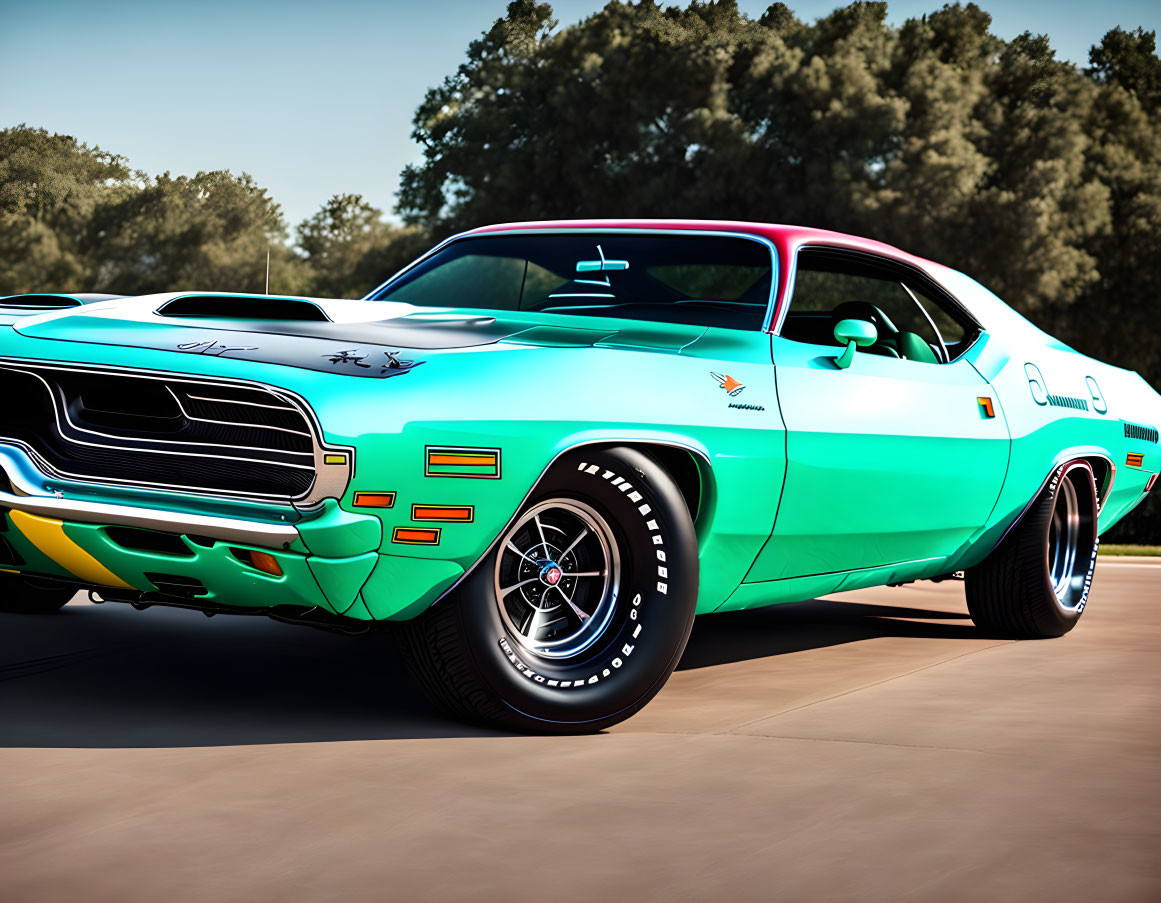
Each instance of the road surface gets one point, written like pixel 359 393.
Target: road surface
pixel 868 746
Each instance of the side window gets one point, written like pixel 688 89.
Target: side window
pixel 913 321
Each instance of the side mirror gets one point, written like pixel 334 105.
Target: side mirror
pixel 853 333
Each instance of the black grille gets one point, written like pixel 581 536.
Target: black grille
pixel 1067 401
pixel 39 302
pixel 1144 433
pixel 166 432
pixel 233 307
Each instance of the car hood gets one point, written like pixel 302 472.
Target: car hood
pixel 367 339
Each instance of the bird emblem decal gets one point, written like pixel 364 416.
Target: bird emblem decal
pixel 731 385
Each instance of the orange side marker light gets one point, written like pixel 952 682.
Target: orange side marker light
pixel 374 499
pixel 266 563
pixel 416 536
pixel 463 514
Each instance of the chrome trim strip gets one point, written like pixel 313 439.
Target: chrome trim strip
pixel 251 426
pixel 249 404
pixel 585 230
pixel 227 529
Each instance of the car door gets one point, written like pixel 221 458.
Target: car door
pixel 891 459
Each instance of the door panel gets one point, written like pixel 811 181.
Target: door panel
pixel 888 461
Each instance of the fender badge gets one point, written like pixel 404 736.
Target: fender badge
pixel 731 385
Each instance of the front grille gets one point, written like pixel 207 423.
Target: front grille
pixel 158 431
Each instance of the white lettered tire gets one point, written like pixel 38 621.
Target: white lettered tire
pixel 581 611
pixel 1035 584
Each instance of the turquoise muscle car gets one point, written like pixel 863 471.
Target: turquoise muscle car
pixel 542 448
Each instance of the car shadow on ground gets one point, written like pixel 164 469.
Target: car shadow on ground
pixel 110 677
pixel 781 629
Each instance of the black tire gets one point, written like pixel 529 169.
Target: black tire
pixel 1035 584
pixel 559 672
pixel 30 596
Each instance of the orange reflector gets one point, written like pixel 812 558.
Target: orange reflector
pixel 266 563
pixel 464 514
pixel 335 459
pixel 1135 460
pixel 469 460
pixel 375 499
pixel 986 404
pixel 453 461
pixel 425 536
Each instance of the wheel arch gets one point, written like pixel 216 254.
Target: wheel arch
pixel 689 469
pixel 687 464
pixel 1103 470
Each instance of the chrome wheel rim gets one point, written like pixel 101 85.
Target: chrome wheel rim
pixel 557 577
pixel 1063 542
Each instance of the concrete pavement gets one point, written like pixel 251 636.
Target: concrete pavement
pixel 869 746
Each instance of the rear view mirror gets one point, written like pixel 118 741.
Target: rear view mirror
pixel 853 333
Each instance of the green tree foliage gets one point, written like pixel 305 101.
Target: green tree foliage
pixel 75 218
pixel 210 231
pixel 50 186
pixel 350 249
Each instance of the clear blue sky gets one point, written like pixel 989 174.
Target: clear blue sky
pixel 313 99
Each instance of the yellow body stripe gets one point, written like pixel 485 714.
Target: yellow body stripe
pixel 48 535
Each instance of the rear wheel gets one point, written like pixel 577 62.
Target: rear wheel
pixel 579 614
pixel 32 596
pixel 1036 582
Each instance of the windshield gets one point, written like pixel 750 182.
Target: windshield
pixel 689 279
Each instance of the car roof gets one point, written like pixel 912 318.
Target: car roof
pixel 786 238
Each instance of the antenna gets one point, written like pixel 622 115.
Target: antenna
pixel 268 271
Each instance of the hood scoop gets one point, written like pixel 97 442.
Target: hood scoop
pixel 241 308
pixel 39 302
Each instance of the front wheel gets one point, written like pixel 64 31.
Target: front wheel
pixel 1035 584
pixel 581 611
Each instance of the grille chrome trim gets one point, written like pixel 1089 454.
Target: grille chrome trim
pixel 256 426
pixel 329 480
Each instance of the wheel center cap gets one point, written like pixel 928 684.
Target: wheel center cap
pixel 550 574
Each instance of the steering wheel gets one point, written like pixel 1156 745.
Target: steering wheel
pixel 865 310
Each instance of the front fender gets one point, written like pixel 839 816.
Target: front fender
pixel 489 402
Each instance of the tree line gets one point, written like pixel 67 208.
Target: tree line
pixel 1039 177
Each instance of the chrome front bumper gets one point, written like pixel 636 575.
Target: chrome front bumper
pixel 26 496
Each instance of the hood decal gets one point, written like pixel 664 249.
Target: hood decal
pixel 360 359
